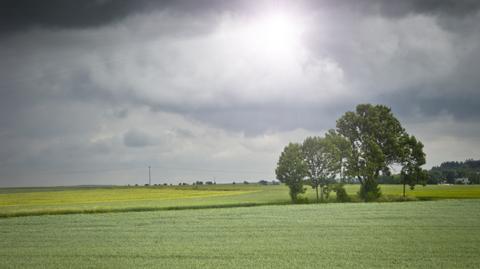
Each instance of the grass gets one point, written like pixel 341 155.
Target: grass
pixel 70 200
pixel 434 234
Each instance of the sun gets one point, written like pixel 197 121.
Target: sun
pixel 277 32
pixel 276 29
pixel 267 37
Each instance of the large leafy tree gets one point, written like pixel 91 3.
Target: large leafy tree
pixel 377 142
pixel 322 160
pixel 292 169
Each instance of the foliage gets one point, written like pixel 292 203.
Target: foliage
pixel 369 190
pixel 322 161
pixel 413 158
pixel 292 169
pixel 341 193
pixel 377 141
pixel 263 182
pixel 391 179
pixel 341 148
pixel 449 171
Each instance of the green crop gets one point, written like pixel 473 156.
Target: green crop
pixel 433 234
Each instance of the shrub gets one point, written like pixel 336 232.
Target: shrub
pixel 301 200
pixel 342 195
pixel 369 191
pixel 326 191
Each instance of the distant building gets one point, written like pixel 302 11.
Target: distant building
pixel 462 180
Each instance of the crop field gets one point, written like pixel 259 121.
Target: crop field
pixel 424 234
pixel 67 200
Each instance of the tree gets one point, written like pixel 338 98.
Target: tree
pixel 291 169
pixel 377 141
pixel 322 161
pixel 341 147
pixel 413 158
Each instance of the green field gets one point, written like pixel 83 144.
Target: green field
pixel 425 234
pixel 65 200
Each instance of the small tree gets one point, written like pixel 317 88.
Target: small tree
pixel 341 148
pixel 291 169
pixel 322 162
pixel 412 160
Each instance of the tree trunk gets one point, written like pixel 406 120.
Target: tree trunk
pixel 321 193
pixel 403 189
pixel 316 188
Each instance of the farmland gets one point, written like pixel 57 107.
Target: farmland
pixel 65 200
pixel 425 234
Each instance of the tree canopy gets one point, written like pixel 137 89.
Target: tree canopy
pixel 323 162
pixel 413 158
pixel 292 169
pixel 377 142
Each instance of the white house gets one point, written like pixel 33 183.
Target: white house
pixel 462 180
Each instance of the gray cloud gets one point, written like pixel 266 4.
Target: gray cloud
pixel 138 139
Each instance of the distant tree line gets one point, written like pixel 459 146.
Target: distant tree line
pixel 364 146
pixel 448 172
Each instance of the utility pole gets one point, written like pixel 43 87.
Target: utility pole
pixel 149 176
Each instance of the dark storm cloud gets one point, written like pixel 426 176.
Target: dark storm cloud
pixel 18 15
pixel 401 8
pixel 21 14
pixel 448 7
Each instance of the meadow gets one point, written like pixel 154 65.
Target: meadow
pixel 70 200
pixel 423 234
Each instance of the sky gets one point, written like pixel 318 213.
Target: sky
pixel 95 91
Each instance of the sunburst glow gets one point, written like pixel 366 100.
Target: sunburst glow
pixel 276 29
pixel 274 33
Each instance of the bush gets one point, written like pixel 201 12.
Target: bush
pixel 369 191
pixel 301 200
pixel 342 195
pixel 326 191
